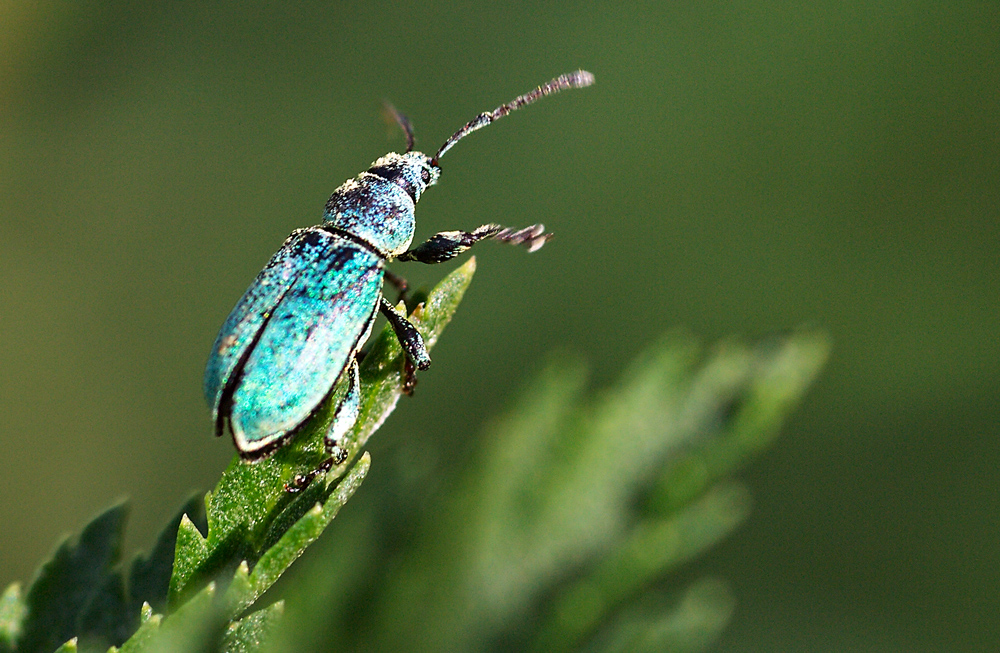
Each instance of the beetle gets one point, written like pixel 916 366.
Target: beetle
pixel 299 327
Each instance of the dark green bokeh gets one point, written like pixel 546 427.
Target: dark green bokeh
pixel 735 169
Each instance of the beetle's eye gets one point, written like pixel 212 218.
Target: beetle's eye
pixel 425 174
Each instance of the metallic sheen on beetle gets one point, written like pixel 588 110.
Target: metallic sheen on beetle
pixel 298 328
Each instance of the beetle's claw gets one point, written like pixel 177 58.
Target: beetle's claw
pixel 409 377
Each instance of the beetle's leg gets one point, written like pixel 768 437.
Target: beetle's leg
pixel 399 282
pixel 345 416
pixel 344 419
pixel 409 337
pixel 449 244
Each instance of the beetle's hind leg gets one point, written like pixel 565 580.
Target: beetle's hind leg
pixel 344 419
pixel 345 416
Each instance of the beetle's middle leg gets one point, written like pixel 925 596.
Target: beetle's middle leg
pixel 449 244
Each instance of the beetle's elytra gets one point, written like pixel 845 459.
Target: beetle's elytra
pixel 298 328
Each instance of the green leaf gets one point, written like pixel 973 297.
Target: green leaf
pixel 249 634
pixel 106 618
pixel 142 639
pixel 560 533
pixel 198 626
pixel 81 593
pixel 251 514
pixel 203 623
pixel 248 587
pixel 70 589
pixel 770 380
pixel 149 575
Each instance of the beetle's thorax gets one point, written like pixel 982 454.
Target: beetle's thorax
pixel 377 205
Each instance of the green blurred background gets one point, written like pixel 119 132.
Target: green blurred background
pixel 737 169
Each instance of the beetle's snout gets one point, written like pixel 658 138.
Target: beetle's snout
pixel 424 168
pixel 433 171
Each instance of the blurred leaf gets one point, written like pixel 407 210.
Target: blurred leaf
pixel 68 589
pixel 573 510
pixel 652 548
pixel 106 619
pixel 80 598
pixel 68 647
pixel 658 622
pixel 12 613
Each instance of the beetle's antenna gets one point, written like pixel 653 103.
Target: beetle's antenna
pixel 403 122
pixel 579 79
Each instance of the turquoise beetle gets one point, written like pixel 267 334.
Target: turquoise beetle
pixel 300 325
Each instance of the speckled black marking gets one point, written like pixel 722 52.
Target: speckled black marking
pixel 395 175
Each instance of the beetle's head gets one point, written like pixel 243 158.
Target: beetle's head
pixel 411 171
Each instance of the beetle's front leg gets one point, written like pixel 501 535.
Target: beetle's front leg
pixel 449 244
